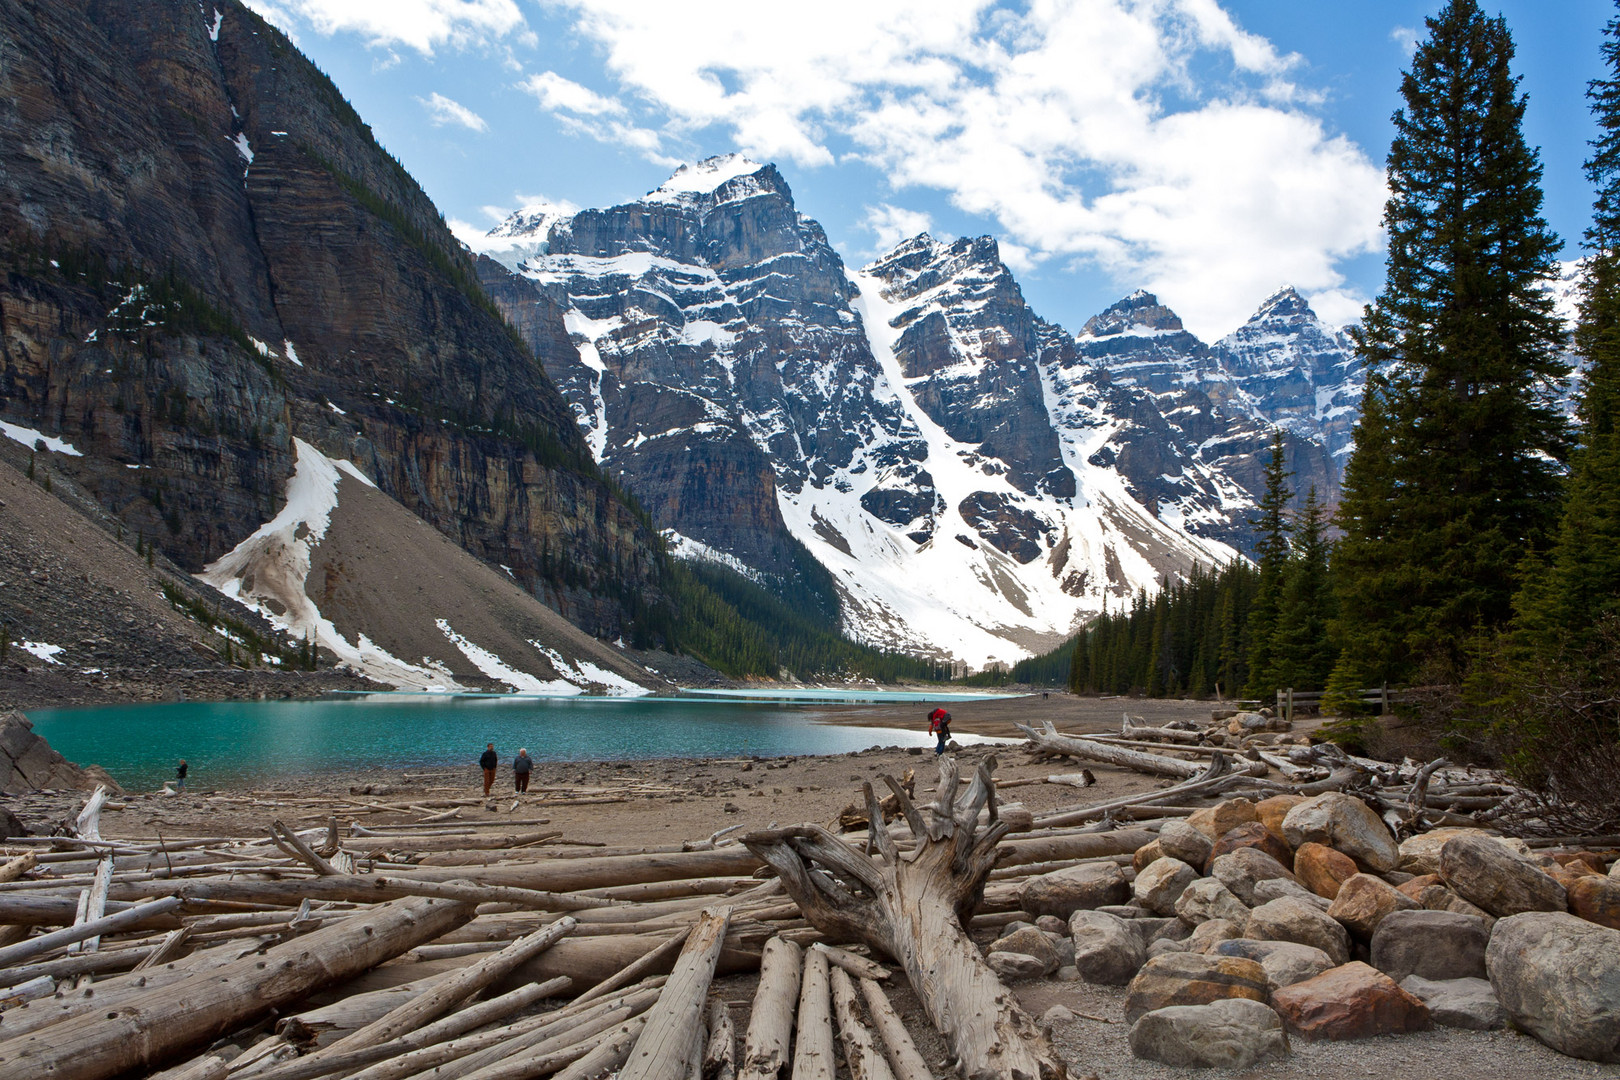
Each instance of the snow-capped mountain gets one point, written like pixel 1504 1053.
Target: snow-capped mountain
pixel 978 481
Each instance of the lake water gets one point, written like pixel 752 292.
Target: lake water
pixel 229 743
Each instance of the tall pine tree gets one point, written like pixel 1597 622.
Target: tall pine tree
pixel 1272 525
pixel 1455 474
pixel 1580 580
pixel 1301 654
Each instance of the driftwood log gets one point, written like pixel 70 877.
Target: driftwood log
pixel 913 907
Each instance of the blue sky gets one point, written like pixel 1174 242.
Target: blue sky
pixel 1210 150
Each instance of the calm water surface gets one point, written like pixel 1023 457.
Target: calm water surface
pixel 229 743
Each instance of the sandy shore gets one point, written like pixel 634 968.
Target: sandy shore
pixel 996 716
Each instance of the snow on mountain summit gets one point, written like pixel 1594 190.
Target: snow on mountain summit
pixel 705 176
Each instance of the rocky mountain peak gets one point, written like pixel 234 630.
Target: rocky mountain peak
pixel 1138 312
pixel 709 176
pixel 1286 302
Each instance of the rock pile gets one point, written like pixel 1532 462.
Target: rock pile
pixel 1250 922
pixel 27 762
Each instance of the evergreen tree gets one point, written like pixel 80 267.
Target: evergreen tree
pixel 1579 582
pixel 1455 472
pixel 1301 654
pixel 1272 524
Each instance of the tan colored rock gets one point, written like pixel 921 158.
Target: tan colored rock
pixel 1207 899
pixel 1161 883
pixel 1420 854
pixel 1180 840
pixel 1271 812
pixel 1501 881
pixel 1030 942
pixel 1252 834
pixel 1353 1001
pixel 1322 870
pixel 1344 823
pixel 1191 979
pixel 1222 818
pixel 1415 887
pixel 1364 901
pixel 1074 888
pixel 1146 854
pixel 1596 899
pixel 1295 920
pixel 1210 933
pixel 1242 870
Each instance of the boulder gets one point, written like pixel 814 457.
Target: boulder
pixel 1596 899
pixel 1107 949
pixel 1063 892
pixel 1014 967
pixel 28 764
pixel 1210 933
pixel 1277 888
pixel 1241 870
pixel 1271 812
pixel 1558 977
pixel 1051 924
pixel 1179 840
pixel 1322 870
pixel 1415 886
pixel 1364 901
pixel 1191 979
pixel 1153 928
pixel 1501 881
pixel 1207 899
pixel 1458 1003
pixel 1284 962
pixel 1166 945
pixel 1252 834
pixel 1294 920
pixel 1344 823
pixel 1030 942
pixel 1146 854
pixel 1436 945
pixel 1160 884
pixel 1220 819
pixel 1352 1001
pixel 1234 1033
pixel 1420 854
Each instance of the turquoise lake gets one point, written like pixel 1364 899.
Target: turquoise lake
pixel 230 743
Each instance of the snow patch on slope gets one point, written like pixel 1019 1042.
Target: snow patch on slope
pixel 704 177
pixel 501 671
pixel 267 572
pixel 31 439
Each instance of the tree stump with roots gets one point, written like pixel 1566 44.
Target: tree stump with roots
pixel 913 905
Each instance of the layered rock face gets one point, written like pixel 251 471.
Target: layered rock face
pixel 208 255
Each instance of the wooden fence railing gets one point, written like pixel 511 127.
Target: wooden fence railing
pixel 1289 699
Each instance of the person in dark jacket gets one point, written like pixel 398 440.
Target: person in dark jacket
pixel 939 724
pixel 521 767
pixel 180 775
pixel 487 761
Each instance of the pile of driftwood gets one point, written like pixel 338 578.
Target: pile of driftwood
pixel 492 951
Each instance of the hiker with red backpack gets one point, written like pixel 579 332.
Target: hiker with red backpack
pixel 939 724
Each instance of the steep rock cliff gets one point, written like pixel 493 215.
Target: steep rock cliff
pixel 207 254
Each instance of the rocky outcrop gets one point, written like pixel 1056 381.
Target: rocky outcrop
pixel 27 762
pixel 207 255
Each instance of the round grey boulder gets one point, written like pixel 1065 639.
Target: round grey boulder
pixel 1558 977
pixel 1235 1034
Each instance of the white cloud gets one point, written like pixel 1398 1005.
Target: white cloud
pixel 1406 37
pixel 1086 129
pixel 557 94
pixel 892 224
pixel 442 110
pixel 423 25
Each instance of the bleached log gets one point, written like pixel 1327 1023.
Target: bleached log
pixel 207 1067
pixel 327 1024
pixel 1049 740
pixel 37 987
pixel 165 949
pixel 639 969
pixel 441 1041
pixel 1037 848
pixel 16 868
pixel 858 966
pixel 813 1048
pixel 913 910
pixel 769 1038
pixel 610 1054
pixel 720 1050
pixel 494 894
pixel 433 1003
pixel 107 924
pixel 903 1056
pixel 97 1046
pixel 88 825
pixel 95 906
pixel 861 1052
pixel 293 844
pixel 548 1048
pixel 674 1025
